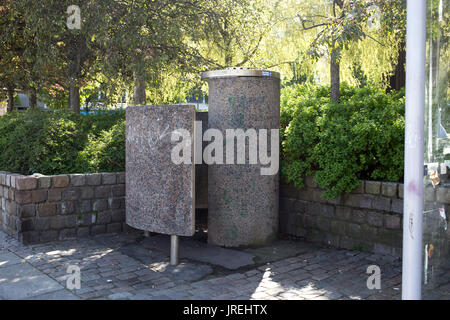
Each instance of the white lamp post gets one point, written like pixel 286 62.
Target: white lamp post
pixel 414 149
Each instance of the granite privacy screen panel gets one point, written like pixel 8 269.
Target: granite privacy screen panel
pixel 160 195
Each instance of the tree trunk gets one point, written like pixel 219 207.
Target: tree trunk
pixel 334 74
pixel 139 90
pixel 10 107
pixel 228 59
pixel 228 50
pixel 397 80
pixel 74 96
pixel 74 77
pixel 68 100
pixel 33 97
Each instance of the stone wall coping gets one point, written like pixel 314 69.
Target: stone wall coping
pixel 40 181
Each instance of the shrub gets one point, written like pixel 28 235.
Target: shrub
pixel 37 141
pixel 105 152
pixel 359 137
pixel 299 131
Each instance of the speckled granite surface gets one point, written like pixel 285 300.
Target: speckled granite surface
pixel 160 195
pixel 242 203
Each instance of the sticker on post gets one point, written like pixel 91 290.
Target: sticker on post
pixel 266 73
pixel 443 216
pixel 425 267
pixel 443 168
pixel 430 251
pixel 434 177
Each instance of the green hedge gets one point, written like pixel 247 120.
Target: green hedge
pixel 50 142
pixel 360 137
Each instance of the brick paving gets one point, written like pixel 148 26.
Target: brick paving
pixel 109 271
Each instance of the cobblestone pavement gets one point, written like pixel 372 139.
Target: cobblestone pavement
pixel 112 268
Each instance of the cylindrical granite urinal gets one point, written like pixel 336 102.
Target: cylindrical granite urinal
pixel 243 198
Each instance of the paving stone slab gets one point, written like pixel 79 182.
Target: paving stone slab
pixel 143 254
pixel 3 236
pixel 56 295
pixel 279 250
pixel 8 259
pixel 158 262
pixel 120 296
pixel 186 271
pixel 22 281
pixel 195 250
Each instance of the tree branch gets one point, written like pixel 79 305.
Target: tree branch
pixel 310 27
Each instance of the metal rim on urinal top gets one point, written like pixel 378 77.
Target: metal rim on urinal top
pixel 239 72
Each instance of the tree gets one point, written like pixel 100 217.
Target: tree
pixel 11 48
pixel 130 41
pixel 144 39
pixel 346 22
pixel 160 30
pixel 58 53
pixel 397 18
pixel 151 47
pixel 22 63
pixel 230 32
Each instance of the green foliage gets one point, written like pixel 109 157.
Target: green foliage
pixel 300 110
pixel 61 142
pixel 55 99
pixel 105 152
pixel 359 137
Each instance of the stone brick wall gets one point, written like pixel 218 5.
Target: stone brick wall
pixel 369 218
pixel 44 208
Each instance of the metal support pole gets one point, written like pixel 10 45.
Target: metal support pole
pixel 414 150
pixel 174 250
